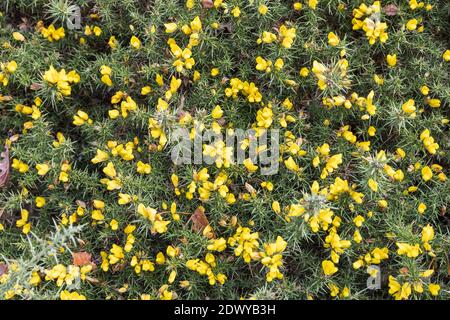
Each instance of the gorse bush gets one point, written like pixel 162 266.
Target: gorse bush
pixel 93 207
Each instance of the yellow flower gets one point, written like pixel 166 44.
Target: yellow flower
pixel 357 236
pixel 18 36
pixel 217 244
pixel 427 233
pixel 276 207
pixel 215 72
pixel 109 170
pixel 146 90
pixel 427 174
pixel 421 208
pixel 263 9
pixel 412 251
pixel 424 90
pixel 408 107
pixel 190 4
pixel 446 55
pixel 313 4
pixel 279 63
pixel 391 60
pixel 249 165
pixel 112 42
pixel 291 164
pixel 358 220
pixel 373 185
pixel 171 27
pixel 67 295
pixel 333 39
pixel 63 176
pixel 328 267
pixel 411 24
pixel 236 12
pixel 19 166
pixel 434 103
pixel 371 131
pixel 383 204
pixel 124 199
pixel 42 169
pixel 106 80
pixel 100 156
pixel 297 6
pixel 434 289
pixel 217 112
pixel 378 79
pixel 135 42
pixel 40 202
pixel 97 31
pixel 97 215
pixel 114 224
pixel 143 168
pixel 304 72
pixel 160 259
pixel 11 66
pixel 262 64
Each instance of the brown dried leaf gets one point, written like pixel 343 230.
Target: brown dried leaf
pixel 35 86
pixel 199 220
pixel 3 268
pixel 92 280
pixel 207 4
pixel 81 204
pixel 81 258
pixel 25 25
pixel 5 98
pixel 14 138
pixel 390 10
pixel 222 122
pixel 4 167
pixel 81 242
pixel 118 267
pixel 250 188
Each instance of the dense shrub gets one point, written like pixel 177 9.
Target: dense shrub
pixel 92 205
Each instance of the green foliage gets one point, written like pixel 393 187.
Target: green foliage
pixel 231 47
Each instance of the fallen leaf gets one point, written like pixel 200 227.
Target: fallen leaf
pixel 222 122
pixel 5 98
pixel 92 280
pixel 199 220
pixel 81 242
pixel 81 258
pixel 36 86
pixel 4 167
pixel 404 270
pixel 3 268
pixel 14 138
pixel 81 204
pixel 118 267
pixel 207 4
pixel 390 10
pixel 25 25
